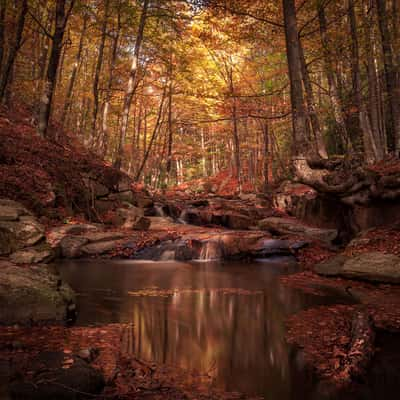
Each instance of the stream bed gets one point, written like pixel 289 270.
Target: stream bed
pixel 223 319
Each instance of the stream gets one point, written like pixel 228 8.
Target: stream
pixel 226 320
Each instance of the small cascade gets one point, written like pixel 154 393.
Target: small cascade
pixel 211 250
pixel 183 217
pixel 167 255
pixel 159 210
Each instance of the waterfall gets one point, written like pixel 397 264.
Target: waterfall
pixel 183 217
pixel 211 250
pixel 159 211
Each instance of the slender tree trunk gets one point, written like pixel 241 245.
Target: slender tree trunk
pixel 371 152
pixel 106 107
pixel 75 66
pixel 203 153
pixel 50 82
pixel 316 127
pixel 170 124
pixel 14 49
pixel 333 89
pixel 93 135
pixel 153 136
pixel 391 81
pixel 299 120
pixel 3 6
pixel 130 91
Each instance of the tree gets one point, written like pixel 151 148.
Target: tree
pixel 61 18
pixel 131 86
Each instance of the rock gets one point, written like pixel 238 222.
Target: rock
pixel 132 218
pixel 124 184
pixel 60 376
pixel 95 237
pixel 56 234
pixel 103 206
pixel 374 266
pixel 143 201
pixel 126 196
pixel 96 248
pixel 284 226
pixel 33 295
pixel 71 246
pixel 33 255
pixel 332 266
pixel 8 213
pixel 238 221
pixel 96 189
pixel 8 241
pixel 27 233
pixel 20 209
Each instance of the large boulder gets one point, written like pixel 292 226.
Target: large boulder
pixel 374 266
pixel 60 376
pixel 33 295
pixel 285 226
pixel 33 255
pixel 18 227
pixel 71 246
pixel 55 235
pixel 132 218
pixel 98 248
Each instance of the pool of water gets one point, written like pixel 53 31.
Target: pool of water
pixel 227 320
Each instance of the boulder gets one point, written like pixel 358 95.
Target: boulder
pixel 56 234
pixel 71 246
pixel 143 201
pixel 102 206
pixel 27 230
pixel 97 248
pixel 374 266
pixel 33 255
pixel 8 241
pixel 132 218
pixel 238 221
pixel 33 295
pixel 8 213
pixel 60 376
pixel 95 237
pixel 96 189
pixel 285 226
pixel 331 267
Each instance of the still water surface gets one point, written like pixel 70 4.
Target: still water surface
pixel 227 320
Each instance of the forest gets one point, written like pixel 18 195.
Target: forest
pixel 199 199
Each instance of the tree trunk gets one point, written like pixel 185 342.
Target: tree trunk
pixel 170 124
pixel 300 147
pixel 153 136
pixel 75 66
pixel 371 152
pixel 104 129
pixel 93 136
pixel 3 6
pixel 50 82
pixel 14 49
pixel 130 91
pixel 316 127
pixel 333 89
pixel 391 81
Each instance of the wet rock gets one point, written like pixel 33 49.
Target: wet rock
pixel 71 246
pixel 58 376
pixel 33 255
pixel 374 266
pixel 332 266
pixel 97 248
pixel 95 237
pixel 33 295
pixel 284 226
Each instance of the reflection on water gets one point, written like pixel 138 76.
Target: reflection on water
pixel 225 320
